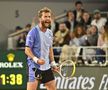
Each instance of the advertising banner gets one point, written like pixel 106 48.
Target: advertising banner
pixel 86 78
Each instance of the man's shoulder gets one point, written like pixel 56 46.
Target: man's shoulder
pixel 103 19
pixel 34 29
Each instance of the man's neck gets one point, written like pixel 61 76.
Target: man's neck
pixel 43 29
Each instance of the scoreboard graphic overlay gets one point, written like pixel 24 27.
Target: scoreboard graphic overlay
pixel 12 70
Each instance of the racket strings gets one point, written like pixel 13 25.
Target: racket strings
pixel 67 69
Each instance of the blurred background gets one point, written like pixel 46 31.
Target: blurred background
pixel 80 29
pixel 21 12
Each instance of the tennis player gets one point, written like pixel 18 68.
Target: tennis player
pixel 40 53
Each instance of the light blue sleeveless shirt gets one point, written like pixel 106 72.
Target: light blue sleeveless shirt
pixel 40 43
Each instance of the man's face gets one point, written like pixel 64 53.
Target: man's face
pixel 86 16
pixel 97 16
pixel 62 27
pixel 70 15
pixel 45 19
pixel 79 7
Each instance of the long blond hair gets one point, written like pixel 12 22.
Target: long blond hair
pixel 105 34
pixel 105 37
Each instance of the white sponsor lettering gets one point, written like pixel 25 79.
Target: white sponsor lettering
pixel 83 83
pixel 11 64
pixel 92 82
pixel 104 82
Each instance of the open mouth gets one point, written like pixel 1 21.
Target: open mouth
pixel 47 21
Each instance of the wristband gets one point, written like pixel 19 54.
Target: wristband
pixel 53 64
pixel 35 59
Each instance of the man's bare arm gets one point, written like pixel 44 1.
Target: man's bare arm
pixel 29 53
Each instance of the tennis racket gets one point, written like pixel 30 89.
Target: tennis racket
pixel 67 69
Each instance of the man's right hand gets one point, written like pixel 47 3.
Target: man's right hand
pixel 38 61
pixel 41 61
